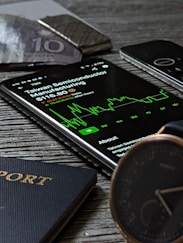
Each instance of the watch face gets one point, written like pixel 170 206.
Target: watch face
pixel 147 191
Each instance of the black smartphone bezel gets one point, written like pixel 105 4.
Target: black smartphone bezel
pixel 81 147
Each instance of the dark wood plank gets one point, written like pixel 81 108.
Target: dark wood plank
pixel 125 22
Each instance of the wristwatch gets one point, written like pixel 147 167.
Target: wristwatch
pixel 146 196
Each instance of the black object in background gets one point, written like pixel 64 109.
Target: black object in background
pixel 38 199
pixel 98 107
pixel 162 59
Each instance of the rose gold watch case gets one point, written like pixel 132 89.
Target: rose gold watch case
pixel 156 137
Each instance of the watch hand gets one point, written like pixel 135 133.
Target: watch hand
pixel 173 189
pixel 165 205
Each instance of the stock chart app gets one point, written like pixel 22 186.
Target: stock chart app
pixel 99 106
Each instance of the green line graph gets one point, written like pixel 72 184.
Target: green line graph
pixel 77 110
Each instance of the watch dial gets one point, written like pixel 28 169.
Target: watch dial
pixel 147 191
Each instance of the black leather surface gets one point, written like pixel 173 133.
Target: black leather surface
pixel 174 128
pixel 31 212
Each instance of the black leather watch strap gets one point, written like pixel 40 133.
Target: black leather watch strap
pixel 174 128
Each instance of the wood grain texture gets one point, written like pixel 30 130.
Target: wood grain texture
pixel 125 22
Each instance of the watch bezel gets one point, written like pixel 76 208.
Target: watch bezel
pixel 152 138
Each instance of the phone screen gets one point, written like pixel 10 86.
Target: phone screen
pixel 96 104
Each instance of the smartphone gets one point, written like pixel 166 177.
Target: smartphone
pixel 160 58
pixel 99 107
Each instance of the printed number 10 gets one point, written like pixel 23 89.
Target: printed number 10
pixel 48 45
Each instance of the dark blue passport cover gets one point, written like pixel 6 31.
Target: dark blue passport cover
pixel 37 199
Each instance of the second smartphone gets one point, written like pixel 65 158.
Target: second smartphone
pixel 160 58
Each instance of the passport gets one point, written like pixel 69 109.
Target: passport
pixel 38 199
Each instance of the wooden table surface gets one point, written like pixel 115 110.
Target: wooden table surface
pixel 125 22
